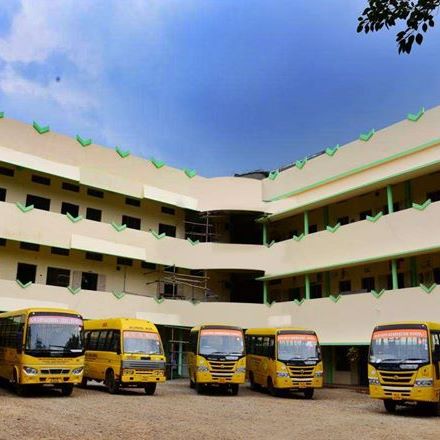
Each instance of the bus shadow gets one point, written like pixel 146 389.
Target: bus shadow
pixel 415 412
pixel 122 392
pixel 8 389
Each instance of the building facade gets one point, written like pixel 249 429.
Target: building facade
pixel 338 242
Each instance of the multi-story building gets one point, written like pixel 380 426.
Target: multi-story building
pixel 337 242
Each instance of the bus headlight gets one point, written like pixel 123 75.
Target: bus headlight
pixel 30 371
pixel 77 371
pixel 319 373
pixel 423 383
pixel 241 370
pixel 202 368
pixel 282 374
pixel 373 381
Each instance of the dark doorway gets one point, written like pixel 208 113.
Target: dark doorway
pixel 89 281
pixel 38 202
pixel 170 230
pixel 244 229
pixel 245 288
pixel 70 208
pixel 26 272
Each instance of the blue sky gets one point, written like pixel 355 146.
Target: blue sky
pixel 221 86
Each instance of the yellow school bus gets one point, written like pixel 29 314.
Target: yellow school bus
pixel 41 347
pixel 284 359
pixel 123 353
pixel 216 357
pixel 404 364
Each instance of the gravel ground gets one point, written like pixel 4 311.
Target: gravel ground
pixel 177 412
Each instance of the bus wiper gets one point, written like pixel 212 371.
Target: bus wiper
pixel 390 360
pixel 414 360
pixel 216 352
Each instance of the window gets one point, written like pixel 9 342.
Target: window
pixel 57 277
pixel 93 214
pixel 132 202
pixel 168 210
pixel 131 222
pixel 435 338
pixel 124 261
pixel 40 179
pixel 146 265
pixel 316 291
pixel 342 360
pixel 7 171
pixel 9 330
pixel 400 281
pixel 95 193
pixel 434 196
pixel 94 256
pixel 436 273
pixel 59 251
pixel 89 281
pixel 295 293
pixel 92 340
pixel 101 344
pixel 396 207
pixel 344 286
pixel 368 284
pixel 363 214
pixel 26 272
pixel 38 202
pixel 29 246
pixel 2 241
pixel 168 289
pixel 70 187
pixel 2 194
pixel 70 208
pixel 169 230
pixel 313 228
pixel 343 220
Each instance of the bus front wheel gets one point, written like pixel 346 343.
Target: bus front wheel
pixel 150 388
pixel 192 385
pixel 234 389
pixel 270 387
pixel 390 405
pixel 308 393
pixel 252 381
pixel 66 390
pixel 200 388
pixel 21 390
pixel 111 383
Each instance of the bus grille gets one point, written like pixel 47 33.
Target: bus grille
pixel 54 371
pixel 301 371
pixel 144 365
pixel 396 377
pixel 222 369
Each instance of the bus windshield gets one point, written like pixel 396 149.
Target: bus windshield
pixel 142 342
pixel 53 335
pixel 399 345
pixel 296 346
pixel 221 341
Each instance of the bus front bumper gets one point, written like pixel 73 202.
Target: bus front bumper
pixel 53 379
pixel 298 383
pixel 405 394
pixel 140 378
pixel 208 378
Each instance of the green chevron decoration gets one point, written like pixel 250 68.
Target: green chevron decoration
pixel 194 301
pixel 83 142
pixel 334 228
pixel 299 302
pixel 117 227
pixel 193 242
pixel 2 115
pixel 423 206
pixel 428 289
pixel 74 219
pixel 268 245
pixel 367 136
pixel 331 151
pixel 190 173
pixel 23 285
pixel 118 294
pixel 122 153
pixel 156 235
pixel 414 117
pixel 273 174
pixel 300 163
pixel 299 237
pixel 157 163
pixel 73 291
pixel 39 128
pixel 335 298
pixel 159 300
pixel 374 218
pixel 24 208
pixel 269 304
pixel 377 294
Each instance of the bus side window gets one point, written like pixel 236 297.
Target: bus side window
pixel 259 346
pixel 114 342
pixel 193 342
pixel 93 340
pixel 101 344
pixel 435 346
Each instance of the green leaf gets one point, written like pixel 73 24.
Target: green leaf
pixel 83 142
pixel 193 242
pixel 24 208
pixel 299 302
pixel 335 298
pixel 374 218
pixel 273 174
pixel 423 206
pixel 157 163
pixel 367 136
pixel 414 117
pixel 118 294
pixel 73 291
pixel 118 227
pixel 190 173
pixel 299 237
pixel 159 300
pixel 332 151
pixel 377 294
pixel 39 128
pixel 74 219
pixel 156 235
pixel 122 153
pixel 300 163
pixel 334 228
pixel 22 285
pixel 428 289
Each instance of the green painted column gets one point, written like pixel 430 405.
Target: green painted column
pixel 394 278
pixel 390 202
pixel 265 292
pixel 306 222
pixel 414 277
pixel 408 194
pixel 307 286
pixel 326 216
pixel 327 283
pixel 264 233
pixel 180 354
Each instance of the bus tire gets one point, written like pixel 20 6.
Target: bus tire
pixel 21 390
pixel 150 388
pixel 200 388
pixel 252 381
pixel 390 405
pixel 192 385
pixel 234 389
pixel 308 393
pixel 67 390
pixel 111 382
pixel 83 383
pixel 272 390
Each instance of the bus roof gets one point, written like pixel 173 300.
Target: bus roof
pixel 219 326
pixel 38 310
pixel 275 330
pixel 120 324
pixel 431 325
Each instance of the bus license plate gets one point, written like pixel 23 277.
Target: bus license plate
pixel 396 396
pixel 222 380
pixel 54 379
pixel 302 385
